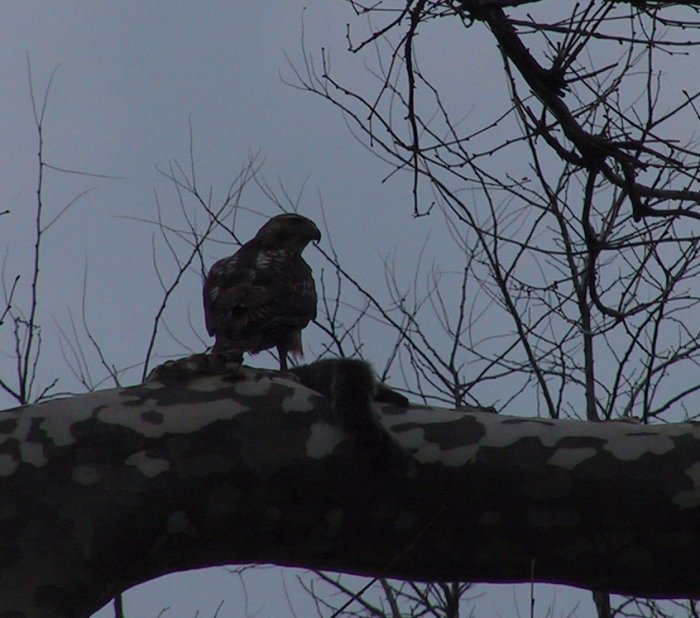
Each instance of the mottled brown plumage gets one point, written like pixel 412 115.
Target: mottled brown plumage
pixel 263 295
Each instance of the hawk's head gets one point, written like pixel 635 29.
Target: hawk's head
pixel 289 231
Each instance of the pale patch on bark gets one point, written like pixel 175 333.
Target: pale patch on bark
pixel 8 465
pixel 33 453
pixel 323 440
pixel 176 418
pixel 569 458
pixel 148 466
pixel 630 446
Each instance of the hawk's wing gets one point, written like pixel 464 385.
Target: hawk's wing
pixel 256 297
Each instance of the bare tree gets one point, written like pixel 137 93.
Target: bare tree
pixel 572 210
pixel 572 197
pixel 20 316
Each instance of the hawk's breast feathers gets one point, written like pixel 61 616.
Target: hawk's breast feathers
pixel 264 294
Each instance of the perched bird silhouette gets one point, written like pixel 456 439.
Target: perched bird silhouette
pixel 263 295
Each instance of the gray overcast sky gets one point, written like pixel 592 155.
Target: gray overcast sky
pixel 131 75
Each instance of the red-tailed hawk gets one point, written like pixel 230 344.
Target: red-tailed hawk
pixel 263 295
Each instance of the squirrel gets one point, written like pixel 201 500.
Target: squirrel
pixel 351 387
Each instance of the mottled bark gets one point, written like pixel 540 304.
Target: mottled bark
pixel 205 464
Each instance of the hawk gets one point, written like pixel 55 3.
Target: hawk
pixel 263 295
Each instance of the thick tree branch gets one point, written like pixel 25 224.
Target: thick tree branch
pixel 208 464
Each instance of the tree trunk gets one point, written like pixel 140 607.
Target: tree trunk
pixel 208 464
